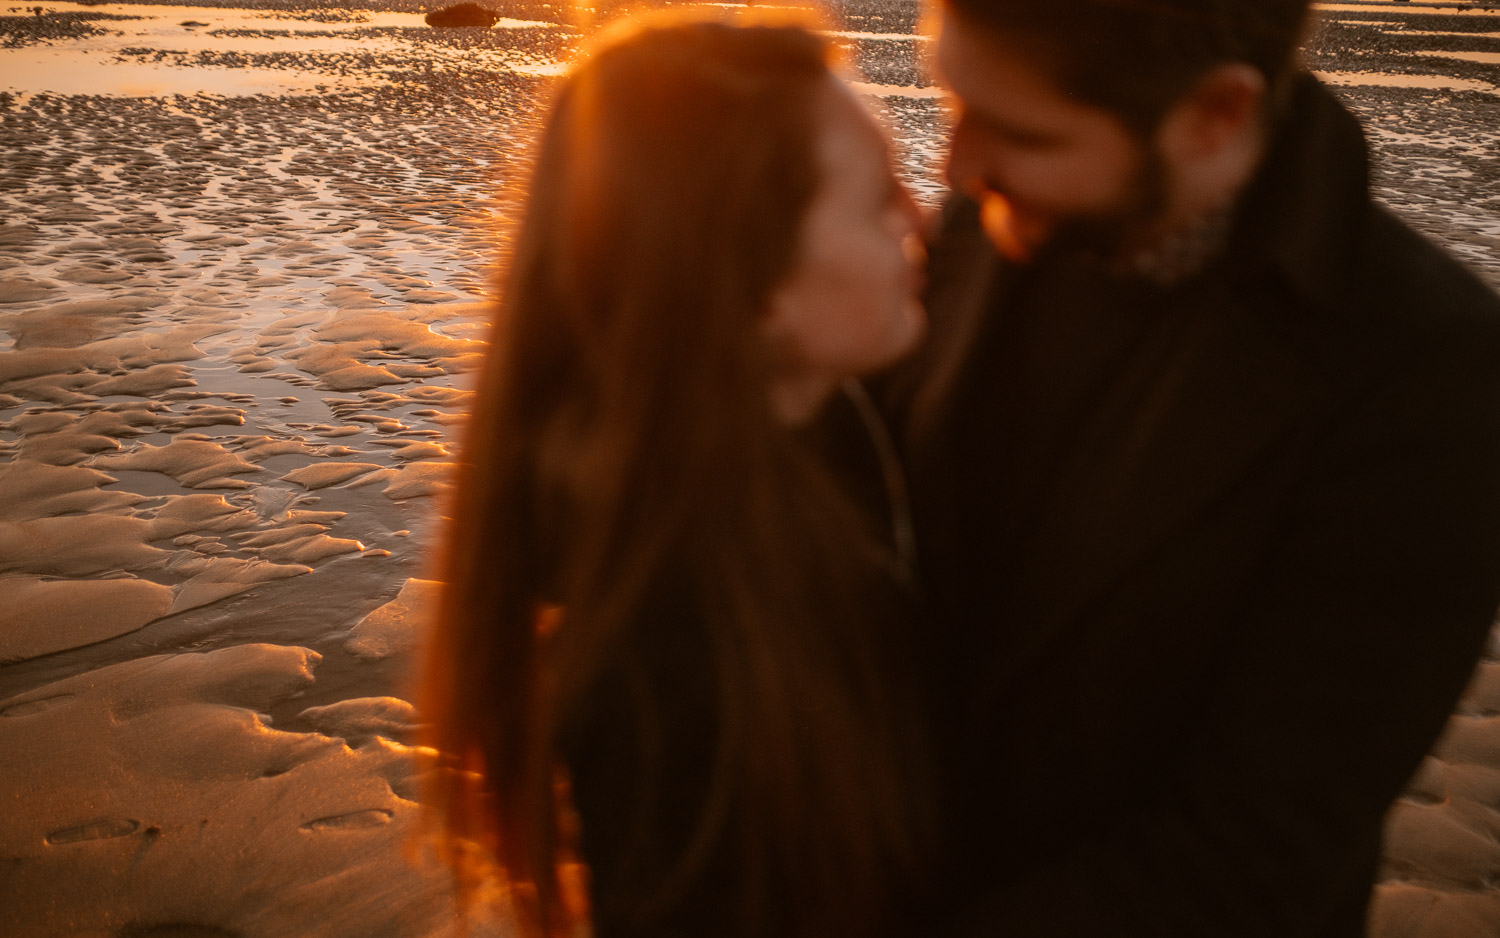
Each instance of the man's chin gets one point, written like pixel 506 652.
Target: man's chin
pixel 1020 237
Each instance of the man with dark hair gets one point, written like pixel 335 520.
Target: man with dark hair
pixel 1205 467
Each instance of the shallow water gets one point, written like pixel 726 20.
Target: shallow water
pixel 1435 32
pixel 73 71
pixel 1483 58
pixel 1427 9
pixel 1402 80
pixel 155 53
pixel 235 333
pixel 159 54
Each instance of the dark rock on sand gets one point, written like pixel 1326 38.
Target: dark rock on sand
pixel 463 14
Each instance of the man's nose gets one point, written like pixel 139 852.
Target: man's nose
pixel 965 170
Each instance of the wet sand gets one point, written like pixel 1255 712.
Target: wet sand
pixel 244 270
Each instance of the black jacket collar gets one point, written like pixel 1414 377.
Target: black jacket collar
pixel 1303 213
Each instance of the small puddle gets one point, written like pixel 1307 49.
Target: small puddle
pixel 543 69
pixel 1391 80
pixel 877 37
pixel 1434 32
pixel 1428 9
pixel 74 72
pixel 1486 58
pixel 898 91
pixel 158 20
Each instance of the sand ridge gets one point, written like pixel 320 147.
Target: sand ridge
pixel 217 317
pixel 124 781
pixel 134 374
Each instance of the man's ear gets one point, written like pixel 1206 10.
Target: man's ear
pixel 1223 112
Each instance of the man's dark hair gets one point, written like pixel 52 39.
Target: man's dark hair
pixel 1135 58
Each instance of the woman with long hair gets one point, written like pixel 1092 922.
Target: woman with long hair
pixel 665 617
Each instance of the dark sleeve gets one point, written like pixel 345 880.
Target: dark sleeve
pixel 1358 635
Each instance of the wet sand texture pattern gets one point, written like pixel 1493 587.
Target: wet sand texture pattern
pixel 137 780
pixel 1441 874
pixel 234 334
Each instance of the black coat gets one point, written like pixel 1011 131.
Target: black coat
pixel 1187 658
pixel 643 749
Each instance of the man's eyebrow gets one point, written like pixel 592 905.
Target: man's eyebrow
pixel 1010 130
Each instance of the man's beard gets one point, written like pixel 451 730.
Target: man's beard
pixel 1114 234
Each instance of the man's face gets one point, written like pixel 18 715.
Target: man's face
pixel 1047 168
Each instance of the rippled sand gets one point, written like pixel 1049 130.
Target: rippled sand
pixel 234 333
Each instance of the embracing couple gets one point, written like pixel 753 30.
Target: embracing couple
pixel 1108 577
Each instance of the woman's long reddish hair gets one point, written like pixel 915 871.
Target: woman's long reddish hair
pixel 622 442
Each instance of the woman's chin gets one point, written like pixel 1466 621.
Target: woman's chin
pixel 913 317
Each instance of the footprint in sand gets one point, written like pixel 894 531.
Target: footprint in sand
pixel 374 817
pixel 104 829
pixel 35 706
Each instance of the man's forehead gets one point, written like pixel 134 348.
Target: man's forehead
pixel 966 52
pixel 997 83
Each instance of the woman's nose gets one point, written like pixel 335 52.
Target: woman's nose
pixel 913 218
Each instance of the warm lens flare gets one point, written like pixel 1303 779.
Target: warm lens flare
pixel 999 221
